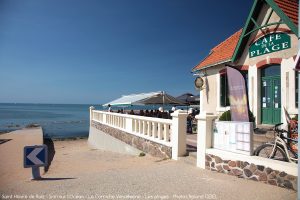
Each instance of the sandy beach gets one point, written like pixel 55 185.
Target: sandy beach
pixel 79 172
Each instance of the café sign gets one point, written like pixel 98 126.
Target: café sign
pixel 269 44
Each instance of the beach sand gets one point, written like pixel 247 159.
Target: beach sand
pixel 79 172
pixel 11 153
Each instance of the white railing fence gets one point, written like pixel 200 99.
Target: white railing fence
pixel 230 136
pixel 168 132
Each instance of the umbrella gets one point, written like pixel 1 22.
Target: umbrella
pixel 151 98
pixel 127 100
pixel 189 98
pixel 161 98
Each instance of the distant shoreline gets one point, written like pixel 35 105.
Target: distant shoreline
pixel 70 138
pixel 67 139
pixel 3 132
pixel 56 120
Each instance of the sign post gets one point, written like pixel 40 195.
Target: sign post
pixel 35 157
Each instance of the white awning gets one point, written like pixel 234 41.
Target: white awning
pixel 145 99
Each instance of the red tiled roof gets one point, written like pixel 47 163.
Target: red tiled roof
pixel 290 8
pixel 224 51
pixel 221 52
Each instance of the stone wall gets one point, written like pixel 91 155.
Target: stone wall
pixel 251 171
pixel 154 149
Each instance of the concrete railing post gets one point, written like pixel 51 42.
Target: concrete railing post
pixel 104 118
pixel 204 137
pixel 129 124
pixel 91 114
pixel 178 137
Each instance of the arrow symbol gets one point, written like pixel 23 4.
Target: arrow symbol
pixel 32 156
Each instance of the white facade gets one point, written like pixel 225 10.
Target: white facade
pixel 210 95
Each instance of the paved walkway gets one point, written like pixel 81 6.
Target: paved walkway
pixel 83 173
pixel 191 142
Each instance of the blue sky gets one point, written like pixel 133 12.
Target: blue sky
pixel 77 51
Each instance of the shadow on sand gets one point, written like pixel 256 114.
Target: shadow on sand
pixel 2 141
pixel 51 152
pixel 52 179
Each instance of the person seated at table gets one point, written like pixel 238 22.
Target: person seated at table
pixel 164 115
pixel 131 112
pixel 160 109
pixel 190 118
pixel 151 114
pixel 155 113
pixel 147 113
pixel 109 108
pixel 173 108
pixel 160 112
pixel 169 115
pixel 142 113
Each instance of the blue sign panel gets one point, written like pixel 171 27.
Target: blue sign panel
pixel 35 156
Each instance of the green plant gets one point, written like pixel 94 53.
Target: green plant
pixel 194 128
pixel 142 154
pixel 226 116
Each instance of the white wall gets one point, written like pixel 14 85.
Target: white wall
pixel 100 140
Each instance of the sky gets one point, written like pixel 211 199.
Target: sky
pixel 94 51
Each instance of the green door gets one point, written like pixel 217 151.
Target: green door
pixel 271 100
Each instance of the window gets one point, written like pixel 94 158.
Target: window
pixel 273 70
pixel 296 88
pixel 224 100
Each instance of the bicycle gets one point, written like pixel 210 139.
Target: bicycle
pixel 283 148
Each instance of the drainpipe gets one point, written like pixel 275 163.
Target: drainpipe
pixel 298 130
pixel 298 105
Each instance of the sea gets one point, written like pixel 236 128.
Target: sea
pixel 56 120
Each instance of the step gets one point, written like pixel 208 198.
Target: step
pixel 193 154
pixel 191 160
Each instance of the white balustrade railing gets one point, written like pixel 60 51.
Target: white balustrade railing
pixel 154 129
pixel 169 132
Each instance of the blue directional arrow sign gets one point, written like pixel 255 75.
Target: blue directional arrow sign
pixel 35 156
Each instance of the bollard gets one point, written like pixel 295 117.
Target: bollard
pixel 36 173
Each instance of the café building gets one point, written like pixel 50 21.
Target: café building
pixel 264 50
